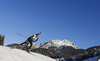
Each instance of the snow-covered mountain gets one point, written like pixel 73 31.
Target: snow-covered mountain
pixel 8 54
pixel 55 43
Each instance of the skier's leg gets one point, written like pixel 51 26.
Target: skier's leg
pixel 22 43
pixel 30 45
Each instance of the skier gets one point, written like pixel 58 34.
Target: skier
pixel 31 39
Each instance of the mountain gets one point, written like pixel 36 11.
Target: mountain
pixel 50 53
pixel 12 45
pixel 56 44
pixel 71 53
pixel 8 54
pixel 95 50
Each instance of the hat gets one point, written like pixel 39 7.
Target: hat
pixel 38 33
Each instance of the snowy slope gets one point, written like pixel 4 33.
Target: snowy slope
pixel 7 54
pixel 92 59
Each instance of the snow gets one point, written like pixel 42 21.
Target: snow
pixel 92 59
pixel 8 54
pixel 63 42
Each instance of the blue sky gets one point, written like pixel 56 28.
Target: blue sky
pixel 75 20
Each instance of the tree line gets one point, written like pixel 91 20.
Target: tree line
pixel 2 39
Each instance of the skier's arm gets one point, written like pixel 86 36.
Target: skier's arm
pixel 36 40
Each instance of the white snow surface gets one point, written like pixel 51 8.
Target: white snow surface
pixel 92 59
pixel 63 42
pixel 8 54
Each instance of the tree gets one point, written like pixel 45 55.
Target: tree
pixel 2 39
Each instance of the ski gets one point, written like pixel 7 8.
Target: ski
pixel 29 52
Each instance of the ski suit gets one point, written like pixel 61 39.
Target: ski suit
pixel 30 40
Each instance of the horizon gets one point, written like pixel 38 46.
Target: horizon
pixel 75 20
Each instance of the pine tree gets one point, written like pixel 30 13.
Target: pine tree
pixel 2 39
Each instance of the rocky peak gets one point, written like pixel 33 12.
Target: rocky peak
pixel 55 43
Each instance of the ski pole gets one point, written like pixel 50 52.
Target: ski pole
pixel 20 35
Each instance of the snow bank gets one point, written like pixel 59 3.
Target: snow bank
pixel 7 54
pixel 93 59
